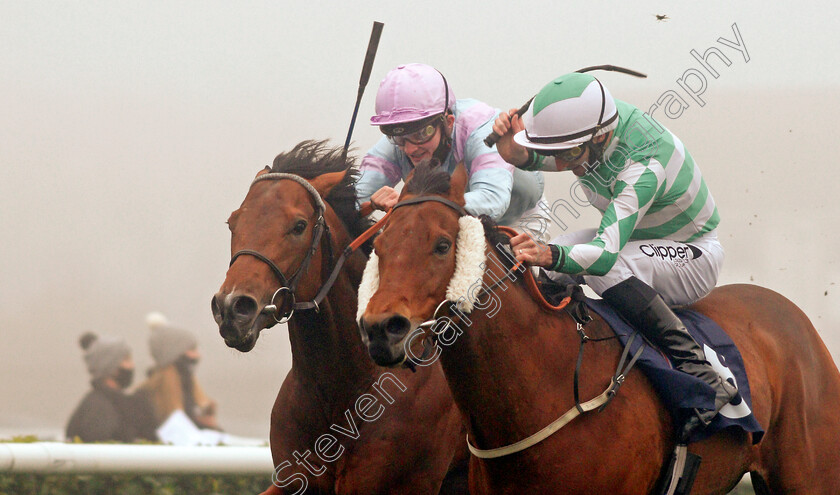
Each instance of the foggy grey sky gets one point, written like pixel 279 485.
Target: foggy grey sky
pixel 130 131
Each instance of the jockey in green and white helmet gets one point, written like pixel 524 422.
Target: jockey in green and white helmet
pixel 656 244
pixel 567 115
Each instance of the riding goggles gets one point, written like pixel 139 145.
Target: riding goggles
pixel 418 137
pixel 567 155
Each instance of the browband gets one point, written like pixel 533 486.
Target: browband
pixel 422 199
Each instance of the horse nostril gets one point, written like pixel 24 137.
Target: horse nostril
pixel 214 307
pixel 244 307
pixel 396 325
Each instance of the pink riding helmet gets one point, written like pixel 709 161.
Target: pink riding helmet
pixel 411 92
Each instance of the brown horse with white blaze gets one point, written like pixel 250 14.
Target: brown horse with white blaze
pixel 340 424
pixel 510 365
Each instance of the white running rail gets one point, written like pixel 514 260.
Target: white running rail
pixel 55 457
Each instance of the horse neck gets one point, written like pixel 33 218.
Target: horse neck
pixel 510 355
pixel 326 343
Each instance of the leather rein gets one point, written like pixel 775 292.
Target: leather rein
pixel 577 312
pixel 282 313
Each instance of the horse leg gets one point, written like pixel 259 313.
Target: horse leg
pixel 801 454
pixel 759 484
pixel 795 388
pixel 456 481
pixel 725 457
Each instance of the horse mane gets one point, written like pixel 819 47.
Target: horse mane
pixel 310 159
pixel 428 178
pixel 496 238
pixel 433 179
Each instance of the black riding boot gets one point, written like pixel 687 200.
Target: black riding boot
pixel 644 308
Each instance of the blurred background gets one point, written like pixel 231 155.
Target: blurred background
pixel 130 130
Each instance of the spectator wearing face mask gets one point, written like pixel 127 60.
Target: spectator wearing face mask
pixel 172 384
pixel 107 413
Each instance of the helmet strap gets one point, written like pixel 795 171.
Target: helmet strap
pixel 445 144
pixel 596 150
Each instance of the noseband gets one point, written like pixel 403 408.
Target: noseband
pixel 283 312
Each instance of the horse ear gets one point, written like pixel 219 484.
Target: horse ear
pixel 458 184
pixel 326 182
pixel 406 181
pixel 263 172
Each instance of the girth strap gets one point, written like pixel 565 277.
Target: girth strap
pixel 598 402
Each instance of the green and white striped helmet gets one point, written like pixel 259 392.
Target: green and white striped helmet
pixel 568 111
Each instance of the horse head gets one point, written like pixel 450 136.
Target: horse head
pixel 280 237
pixel 422 231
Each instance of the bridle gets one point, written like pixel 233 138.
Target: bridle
pixel 581 317
pixel 285 293
pixel 284 311
pixel 516 268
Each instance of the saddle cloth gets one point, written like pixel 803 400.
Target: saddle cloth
pixel 681 392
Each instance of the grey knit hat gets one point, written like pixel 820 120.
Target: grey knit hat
pixel 103 354
pixel 166 342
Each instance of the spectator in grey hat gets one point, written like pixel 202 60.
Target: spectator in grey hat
pixel 172 384
pixel 106 413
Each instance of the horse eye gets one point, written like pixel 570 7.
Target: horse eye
pixel 299 227
pixel 443 246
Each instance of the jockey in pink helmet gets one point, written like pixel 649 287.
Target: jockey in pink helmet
pixel 422 121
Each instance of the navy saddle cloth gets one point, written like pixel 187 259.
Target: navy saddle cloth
pixel 681 392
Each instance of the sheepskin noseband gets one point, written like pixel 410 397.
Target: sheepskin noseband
pixel 469 268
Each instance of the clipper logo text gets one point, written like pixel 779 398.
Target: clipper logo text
pixel 678 255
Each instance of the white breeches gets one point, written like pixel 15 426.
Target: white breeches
pixel 681 273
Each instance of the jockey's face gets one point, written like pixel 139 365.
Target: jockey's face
pixel 419 153
pixel 576 166
pixel 580 166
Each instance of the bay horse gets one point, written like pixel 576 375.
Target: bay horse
pixel 339 424
pixel 512 372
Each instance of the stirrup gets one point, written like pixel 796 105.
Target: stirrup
pixel 680 474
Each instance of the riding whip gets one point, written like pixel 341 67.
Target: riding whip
pixel 373 44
